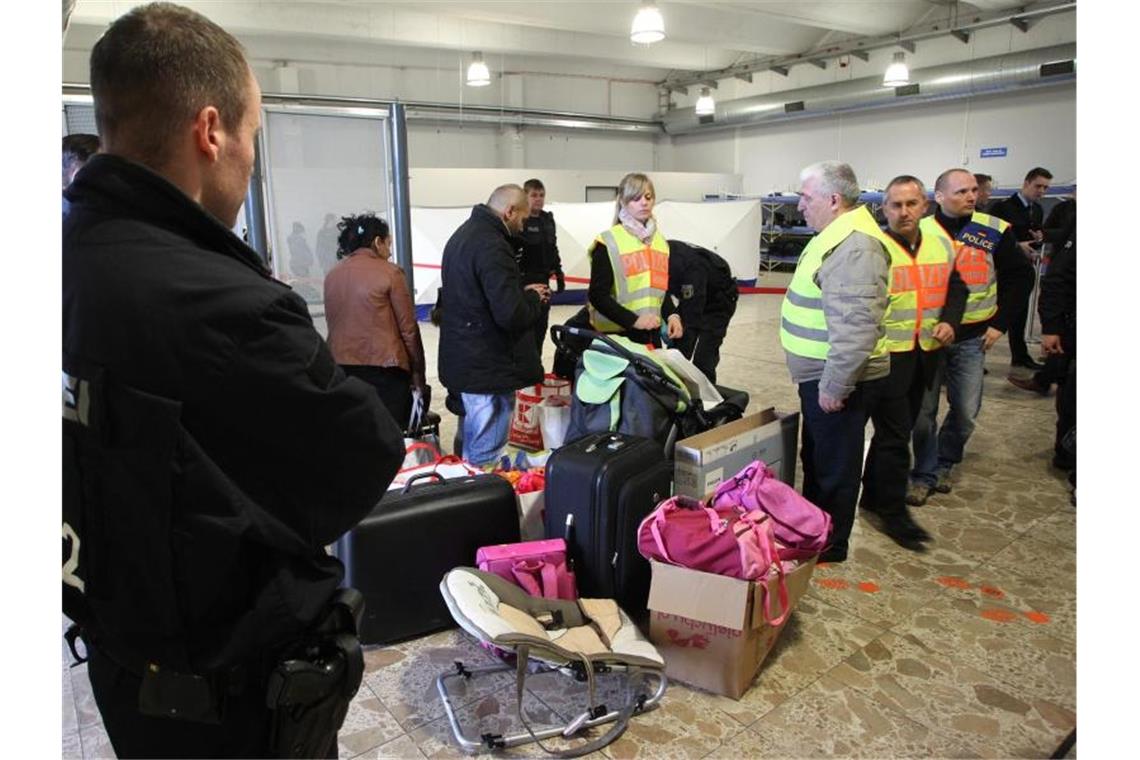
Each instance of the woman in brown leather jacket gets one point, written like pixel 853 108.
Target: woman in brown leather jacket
pixel 371 317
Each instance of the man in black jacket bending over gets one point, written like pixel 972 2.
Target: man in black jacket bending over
pixel 212 448
pixel 486 346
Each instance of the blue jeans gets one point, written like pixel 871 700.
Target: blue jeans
pixel 832 457
pixel 936 450
pixel 486 425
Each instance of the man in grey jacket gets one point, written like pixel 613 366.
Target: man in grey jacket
pixel 832 330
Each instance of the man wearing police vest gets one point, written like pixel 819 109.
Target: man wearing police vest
pixel 833 333
pixel 984 251
pixel 927 298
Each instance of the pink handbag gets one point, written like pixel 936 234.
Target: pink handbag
pixel 726 541
pixel 801 528
pixel 538 567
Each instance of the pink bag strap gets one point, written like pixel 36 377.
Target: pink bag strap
pixel 525 572
pixel 766 540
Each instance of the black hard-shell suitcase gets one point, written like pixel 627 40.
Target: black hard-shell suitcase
pixel 397 555
pixel 609 482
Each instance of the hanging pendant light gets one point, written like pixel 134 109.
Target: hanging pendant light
pixel 648 26
pixel 478 75
pixel 897 73
pixel 706 106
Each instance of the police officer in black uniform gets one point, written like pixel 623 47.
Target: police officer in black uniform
pixel 539 260
pixel 703 284
pixel 211 446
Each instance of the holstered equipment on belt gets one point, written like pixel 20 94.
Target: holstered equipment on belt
pixel 309 692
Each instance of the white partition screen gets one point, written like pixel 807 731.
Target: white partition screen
pixel 320 165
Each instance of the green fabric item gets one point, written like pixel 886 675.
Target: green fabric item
pixel 602 378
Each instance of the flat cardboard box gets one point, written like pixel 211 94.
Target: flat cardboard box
pixel 702 461
pixel 711 629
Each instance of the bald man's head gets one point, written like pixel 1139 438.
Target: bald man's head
pixel 511 204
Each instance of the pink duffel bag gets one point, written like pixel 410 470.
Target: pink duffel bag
pixel 801 528
pixel 538 567
pixel 725 540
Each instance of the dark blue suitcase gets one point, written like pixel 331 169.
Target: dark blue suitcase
pixel 608 482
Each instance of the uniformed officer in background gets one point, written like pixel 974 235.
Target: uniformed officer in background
pixel 211 446
pixel 703 284
pixel 539 260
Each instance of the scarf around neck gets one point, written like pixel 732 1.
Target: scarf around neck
pixel 643 232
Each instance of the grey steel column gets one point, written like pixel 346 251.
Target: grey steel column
pixel 255 207
pixel 401 203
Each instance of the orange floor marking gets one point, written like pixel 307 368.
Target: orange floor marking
pixel 999 616
pixel 949 581
pixel 1038 617
pixel 833 583
pixel 992 591
pixel 869 587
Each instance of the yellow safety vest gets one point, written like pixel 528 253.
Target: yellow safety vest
pixel 803 327
pixel 918 291
pixel 974 250
pixel 641 275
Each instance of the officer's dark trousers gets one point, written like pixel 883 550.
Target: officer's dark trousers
pixel 244 731
pixel 832 457
pixel 892 402
pixel 704 351
pixel 540 329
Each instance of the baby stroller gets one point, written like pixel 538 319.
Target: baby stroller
pixel 622 386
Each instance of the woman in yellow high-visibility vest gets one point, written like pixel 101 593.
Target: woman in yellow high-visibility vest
pixel 629 270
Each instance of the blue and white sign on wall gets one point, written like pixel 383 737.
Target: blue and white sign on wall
pixel 994 152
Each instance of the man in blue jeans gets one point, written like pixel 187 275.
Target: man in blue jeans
pixel 833 333
pixel 487 349
pixel 985 251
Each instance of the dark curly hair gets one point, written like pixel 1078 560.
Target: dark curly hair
pixel 359 232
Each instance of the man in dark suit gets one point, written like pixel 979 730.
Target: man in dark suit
pixel 1023 211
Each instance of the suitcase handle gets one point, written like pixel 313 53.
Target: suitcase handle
pixel 421 476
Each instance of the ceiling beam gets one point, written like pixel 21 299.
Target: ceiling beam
pixel 747 76
pixel 819 63
pixel 963 37
pixel 927 30
pixel 908 46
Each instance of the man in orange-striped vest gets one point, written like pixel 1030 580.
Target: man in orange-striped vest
pixel 984 251
pixel 927 298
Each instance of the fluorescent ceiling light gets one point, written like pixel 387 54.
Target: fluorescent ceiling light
pixel 706 106
pixel 478 75
pixel 648 26
pixel 897 73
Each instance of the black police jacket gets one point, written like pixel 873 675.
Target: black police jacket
pixel 703 283
pixel 212 447
pixel 539 257
pixel 486 342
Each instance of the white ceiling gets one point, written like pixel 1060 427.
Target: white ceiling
pixel 700 35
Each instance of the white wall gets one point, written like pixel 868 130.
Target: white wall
pixel 1037 128
pixel 438 187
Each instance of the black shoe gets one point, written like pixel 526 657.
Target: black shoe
pixel 833 554
pixel 1027 384
pixel 904 531
pixel 1027 363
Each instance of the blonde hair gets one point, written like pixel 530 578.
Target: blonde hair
pixel 632 186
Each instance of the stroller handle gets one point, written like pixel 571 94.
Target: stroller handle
pixel 640 364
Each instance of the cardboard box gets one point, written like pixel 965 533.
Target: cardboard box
pixel 711 629
pixel 702 461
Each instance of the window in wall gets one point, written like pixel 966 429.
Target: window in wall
pixel 319 167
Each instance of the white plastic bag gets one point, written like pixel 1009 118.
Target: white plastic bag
pixel 553 420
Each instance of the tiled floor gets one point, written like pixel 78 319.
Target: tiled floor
pixel 966 651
